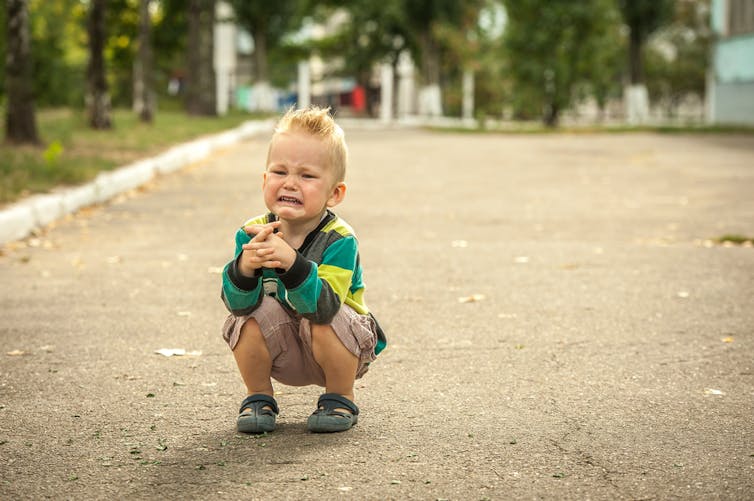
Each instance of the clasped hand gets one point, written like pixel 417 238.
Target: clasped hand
pixel 265 250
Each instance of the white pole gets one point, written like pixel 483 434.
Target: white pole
pixel 224 56
pixel 304 85
pixel 468 95
pixel 386 92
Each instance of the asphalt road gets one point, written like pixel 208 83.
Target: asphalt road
pixel 561 326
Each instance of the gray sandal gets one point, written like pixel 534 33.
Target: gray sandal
pixel 253 417
pixel 327 420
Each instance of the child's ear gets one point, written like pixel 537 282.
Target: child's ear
pixel 337 195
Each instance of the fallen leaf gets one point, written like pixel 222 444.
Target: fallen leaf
pixel 727 339
pixel 471 299
pixel 177 352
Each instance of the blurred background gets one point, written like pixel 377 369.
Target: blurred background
pixel 117 64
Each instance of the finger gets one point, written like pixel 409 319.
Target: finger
pixel 256 246
pixel 262 235
pixel 253 229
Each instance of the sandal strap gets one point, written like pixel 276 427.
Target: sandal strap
pixel 257 402
pixel 331 401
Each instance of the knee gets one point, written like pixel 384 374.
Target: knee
pixel 321 332
pixel 251 334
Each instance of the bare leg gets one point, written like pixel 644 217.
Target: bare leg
pixel 253 359
pixel 338 364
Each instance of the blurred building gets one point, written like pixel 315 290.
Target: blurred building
pixel 730 90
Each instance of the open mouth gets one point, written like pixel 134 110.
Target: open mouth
pixel 289 200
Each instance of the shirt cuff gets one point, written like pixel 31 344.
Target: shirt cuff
pixel 241 281
pixel 297 273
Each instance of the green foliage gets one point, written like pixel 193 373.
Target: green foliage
pixel 3 37
pixel 267 22
pixel 52 153
pixel 678 56
pixel 169 30
pixel 122 22
pixel 376 33
pixel 59 46
pixel 58 53
pixel 643 17
pixel 547 67
pixel 466 44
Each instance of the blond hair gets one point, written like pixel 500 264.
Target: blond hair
pixel 319 123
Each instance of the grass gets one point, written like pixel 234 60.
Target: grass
pixel 735 239
pixel 538 128
pixel 72 153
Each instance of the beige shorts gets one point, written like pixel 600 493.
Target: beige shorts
pixel 289 340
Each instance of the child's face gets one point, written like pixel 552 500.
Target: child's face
pixel 298 185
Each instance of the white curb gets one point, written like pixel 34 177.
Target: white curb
pixel 21 219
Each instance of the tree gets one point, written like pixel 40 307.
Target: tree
pixel 422 16
pixel 547 66
pixel 267 22
pixel 642 17
pixel 20 118
pixel 98 99
pixel 465 42
pixel 375 33
pixel 200 74
pixel 677 59
pixel 143 102
pixel 58 44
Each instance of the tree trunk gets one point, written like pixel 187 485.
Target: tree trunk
pixel 430 95
pixel 260 56
pixel 143 101
pixel 430 59
pixel 20 120
pixel 98 99
pixel 200 78
pixel 634 58
pixel 551 115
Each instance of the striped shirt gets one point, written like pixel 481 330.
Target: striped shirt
pixel 326 274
